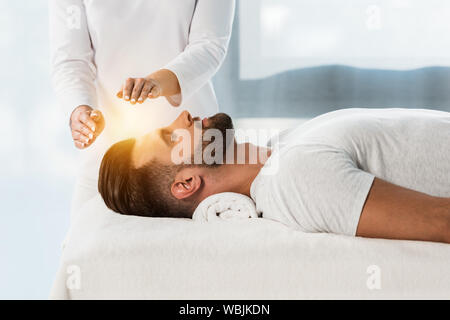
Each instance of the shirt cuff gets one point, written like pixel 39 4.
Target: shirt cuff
pixel 69 102
pixel 186 88
pixel 360 199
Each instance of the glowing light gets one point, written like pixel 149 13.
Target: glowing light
pixel 125 120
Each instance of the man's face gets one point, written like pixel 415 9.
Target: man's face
pixel 158 145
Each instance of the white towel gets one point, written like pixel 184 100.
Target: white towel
pixel 225 206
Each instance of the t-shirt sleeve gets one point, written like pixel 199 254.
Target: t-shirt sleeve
pixel 324 188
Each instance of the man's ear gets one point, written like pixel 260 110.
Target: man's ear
pixel 186 184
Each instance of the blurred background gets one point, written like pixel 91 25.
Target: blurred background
pixel 287 58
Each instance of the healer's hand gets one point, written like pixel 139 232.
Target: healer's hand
pixel 162 83
pixel 137 90
pixel 86 125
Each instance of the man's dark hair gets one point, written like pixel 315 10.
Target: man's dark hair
pixel 143 191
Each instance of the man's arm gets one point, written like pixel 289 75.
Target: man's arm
pixel 394 212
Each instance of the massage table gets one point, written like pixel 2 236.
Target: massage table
pixel 122 257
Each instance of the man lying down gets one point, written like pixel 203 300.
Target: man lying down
pixel 378 173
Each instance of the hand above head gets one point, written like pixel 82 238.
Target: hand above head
pixel 86 125
pixel 137 90
pixel 160 83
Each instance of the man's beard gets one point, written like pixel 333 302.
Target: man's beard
pixel 224 124
pixel 221 122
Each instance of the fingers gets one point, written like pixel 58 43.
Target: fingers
pixel 138 90
pixel 84 130
pixel 128 88
pixel 80 137
pixel 155 92
pixel 145 91
pixel 79 144
pixel 96 115
pixel 138 85
pixel 86 127
pixel 80 140
pixel 88 121
pixel 83 137
pixel 120 93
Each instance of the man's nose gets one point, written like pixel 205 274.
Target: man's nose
pixel 183 120
pixel 187 118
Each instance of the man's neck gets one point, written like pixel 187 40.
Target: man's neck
pixel 238 176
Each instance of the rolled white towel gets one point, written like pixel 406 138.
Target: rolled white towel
pixel 225 206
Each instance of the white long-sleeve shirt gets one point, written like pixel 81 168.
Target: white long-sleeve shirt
pixel 97 44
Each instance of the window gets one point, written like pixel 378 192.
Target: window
pixel 302 58
pixel 278 35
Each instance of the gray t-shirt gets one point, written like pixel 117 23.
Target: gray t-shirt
pixel 320 173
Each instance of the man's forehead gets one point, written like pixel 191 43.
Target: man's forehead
pixel 142 150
